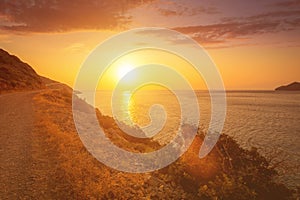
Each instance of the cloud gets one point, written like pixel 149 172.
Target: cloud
pixel 244 27
pixel 220 33
pixel 277 18
pixel 176 9
pixel 287 3
pixel 185 11
pixel 75 48
pixel 282 14
pixel 168 12
pixel 64 15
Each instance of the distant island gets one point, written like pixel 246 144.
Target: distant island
pixel 291 87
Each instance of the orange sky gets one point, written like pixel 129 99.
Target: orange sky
pixel 256 45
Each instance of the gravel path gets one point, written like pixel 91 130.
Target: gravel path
pixel 28 168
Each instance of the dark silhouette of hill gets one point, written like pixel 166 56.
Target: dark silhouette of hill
pixel 17 75
pixel 291 87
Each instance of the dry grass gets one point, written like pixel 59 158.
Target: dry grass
pixel 228 172
pixel 88 177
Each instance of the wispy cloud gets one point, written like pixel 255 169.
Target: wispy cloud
pixel 219 33
pixel 76 48
pixel 64 15
pixel 177 9
pixel 208 22
pixel 245 27
pixel 292 3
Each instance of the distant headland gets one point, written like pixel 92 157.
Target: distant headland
pixel 291 87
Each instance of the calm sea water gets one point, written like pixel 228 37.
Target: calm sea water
pixel 267 120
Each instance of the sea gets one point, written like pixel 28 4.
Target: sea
pixel 266 120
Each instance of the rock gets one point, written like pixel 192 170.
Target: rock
pixel 291 87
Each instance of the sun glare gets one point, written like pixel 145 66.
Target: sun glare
pixel 123 70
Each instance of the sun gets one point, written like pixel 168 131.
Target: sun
pixel 123 69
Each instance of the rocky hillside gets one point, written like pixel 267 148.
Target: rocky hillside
pixel 17 75
pixel 291 87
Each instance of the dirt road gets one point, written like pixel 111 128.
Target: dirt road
pixel 28 168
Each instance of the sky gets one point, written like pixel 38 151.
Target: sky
pixel 255 44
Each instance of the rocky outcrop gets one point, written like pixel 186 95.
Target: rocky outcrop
pixel 291 87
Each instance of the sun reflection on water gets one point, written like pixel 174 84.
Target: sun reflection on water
pixel 134 107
